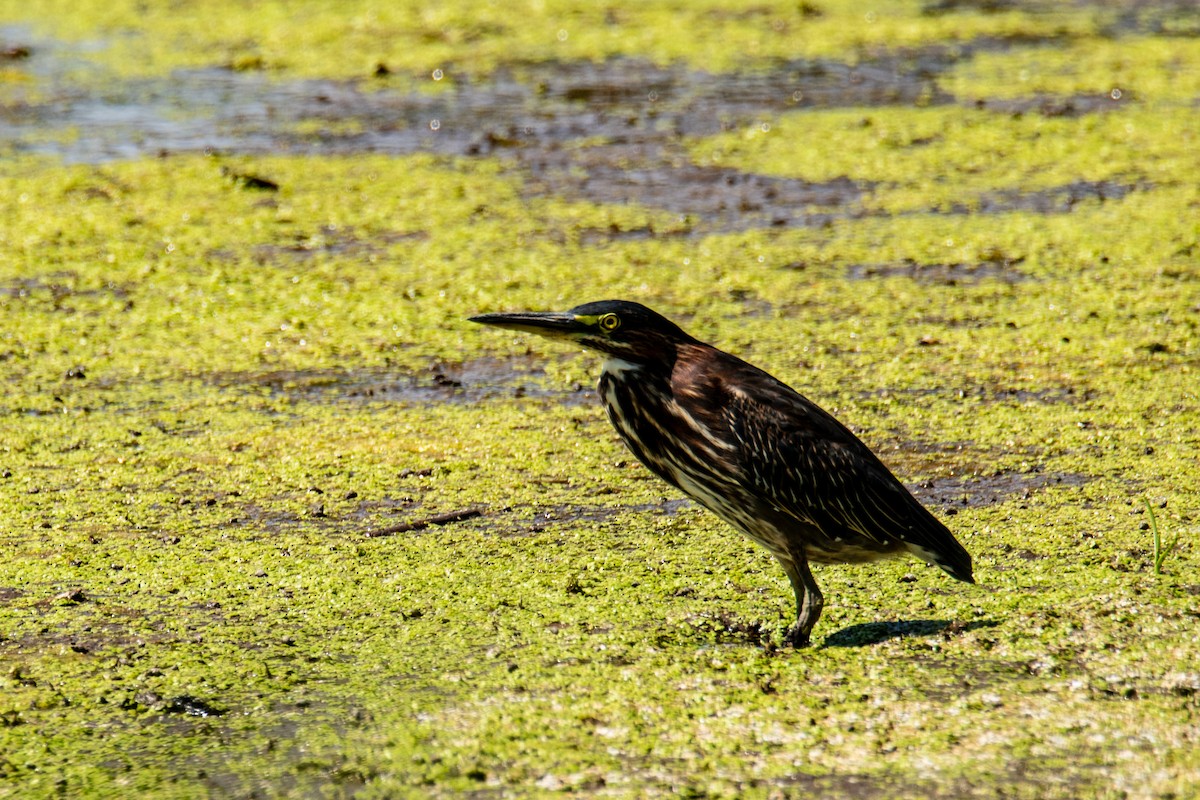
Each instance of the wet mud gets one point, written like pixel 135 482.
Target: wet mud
pixel 327 241
pixel 595 513
pixel 1002 269
pixel 470 381
pixel 955 492
pixel 606 132
pixel 57 289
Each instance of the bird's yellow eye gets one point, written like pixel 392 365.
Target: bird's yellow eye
pixel 609 322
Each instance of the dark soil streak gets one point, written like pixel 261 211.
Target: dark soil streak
pixel 1003 270
pixel 443 382
pixel 985 490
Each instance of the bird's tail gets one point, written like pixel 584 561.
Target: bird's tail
pixel 947 554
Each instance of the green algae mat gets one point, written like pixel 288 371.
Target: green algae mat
pixel 276 521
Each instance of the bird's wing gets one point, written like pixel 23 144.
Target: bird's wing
pixel 810 466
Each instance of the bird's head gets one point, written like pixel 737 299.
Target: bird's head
pixel 617 328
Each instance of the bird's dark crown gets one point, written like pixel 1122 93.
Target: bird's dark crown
pixel 618 328
pixel 617 317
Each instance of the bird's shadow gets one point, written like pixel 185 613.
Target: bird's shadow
pixel 875 632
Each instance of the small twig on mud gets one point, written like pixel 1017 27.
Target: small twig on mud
pixel 422 524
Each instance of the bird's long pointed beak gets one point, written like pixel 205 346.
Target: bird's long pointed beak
pixel 553 324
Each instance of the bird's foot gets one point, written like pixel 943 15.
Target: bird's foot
pixel 796 636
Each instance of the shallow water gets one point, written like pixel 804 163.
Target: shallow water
pixel 606 132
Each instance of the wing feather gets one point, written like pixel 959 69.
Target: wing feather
pixel 806 464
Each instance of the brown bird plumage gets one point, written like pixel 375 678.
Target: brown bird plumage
pixel 749 448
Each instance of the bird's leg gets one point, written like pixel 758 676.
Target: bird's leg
pixel 809 600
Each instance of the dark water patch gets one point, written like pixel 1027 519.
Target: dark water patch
pixel 523 520
pixel 112 631
pixel 469 381
pixel 1056 200
pixel 632 112
pixel 635 110
pixel 332 240
pixel 754 306
pixel 706 199
pixel 939 7
pixel 1047 396
pixel 247 517
pixel 519 107
pixel 584 513
pixel 1055 106
pixel 1003 269
pixel 56 289
pixel 605 132
pixel 401 515
pixel 973 491
pixel 1174 18
pixel 629 93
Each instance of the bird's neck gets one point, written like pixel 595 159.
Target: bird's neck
pixel 614 365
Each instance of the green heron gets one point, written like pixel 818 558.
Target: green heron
pixel 751 449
